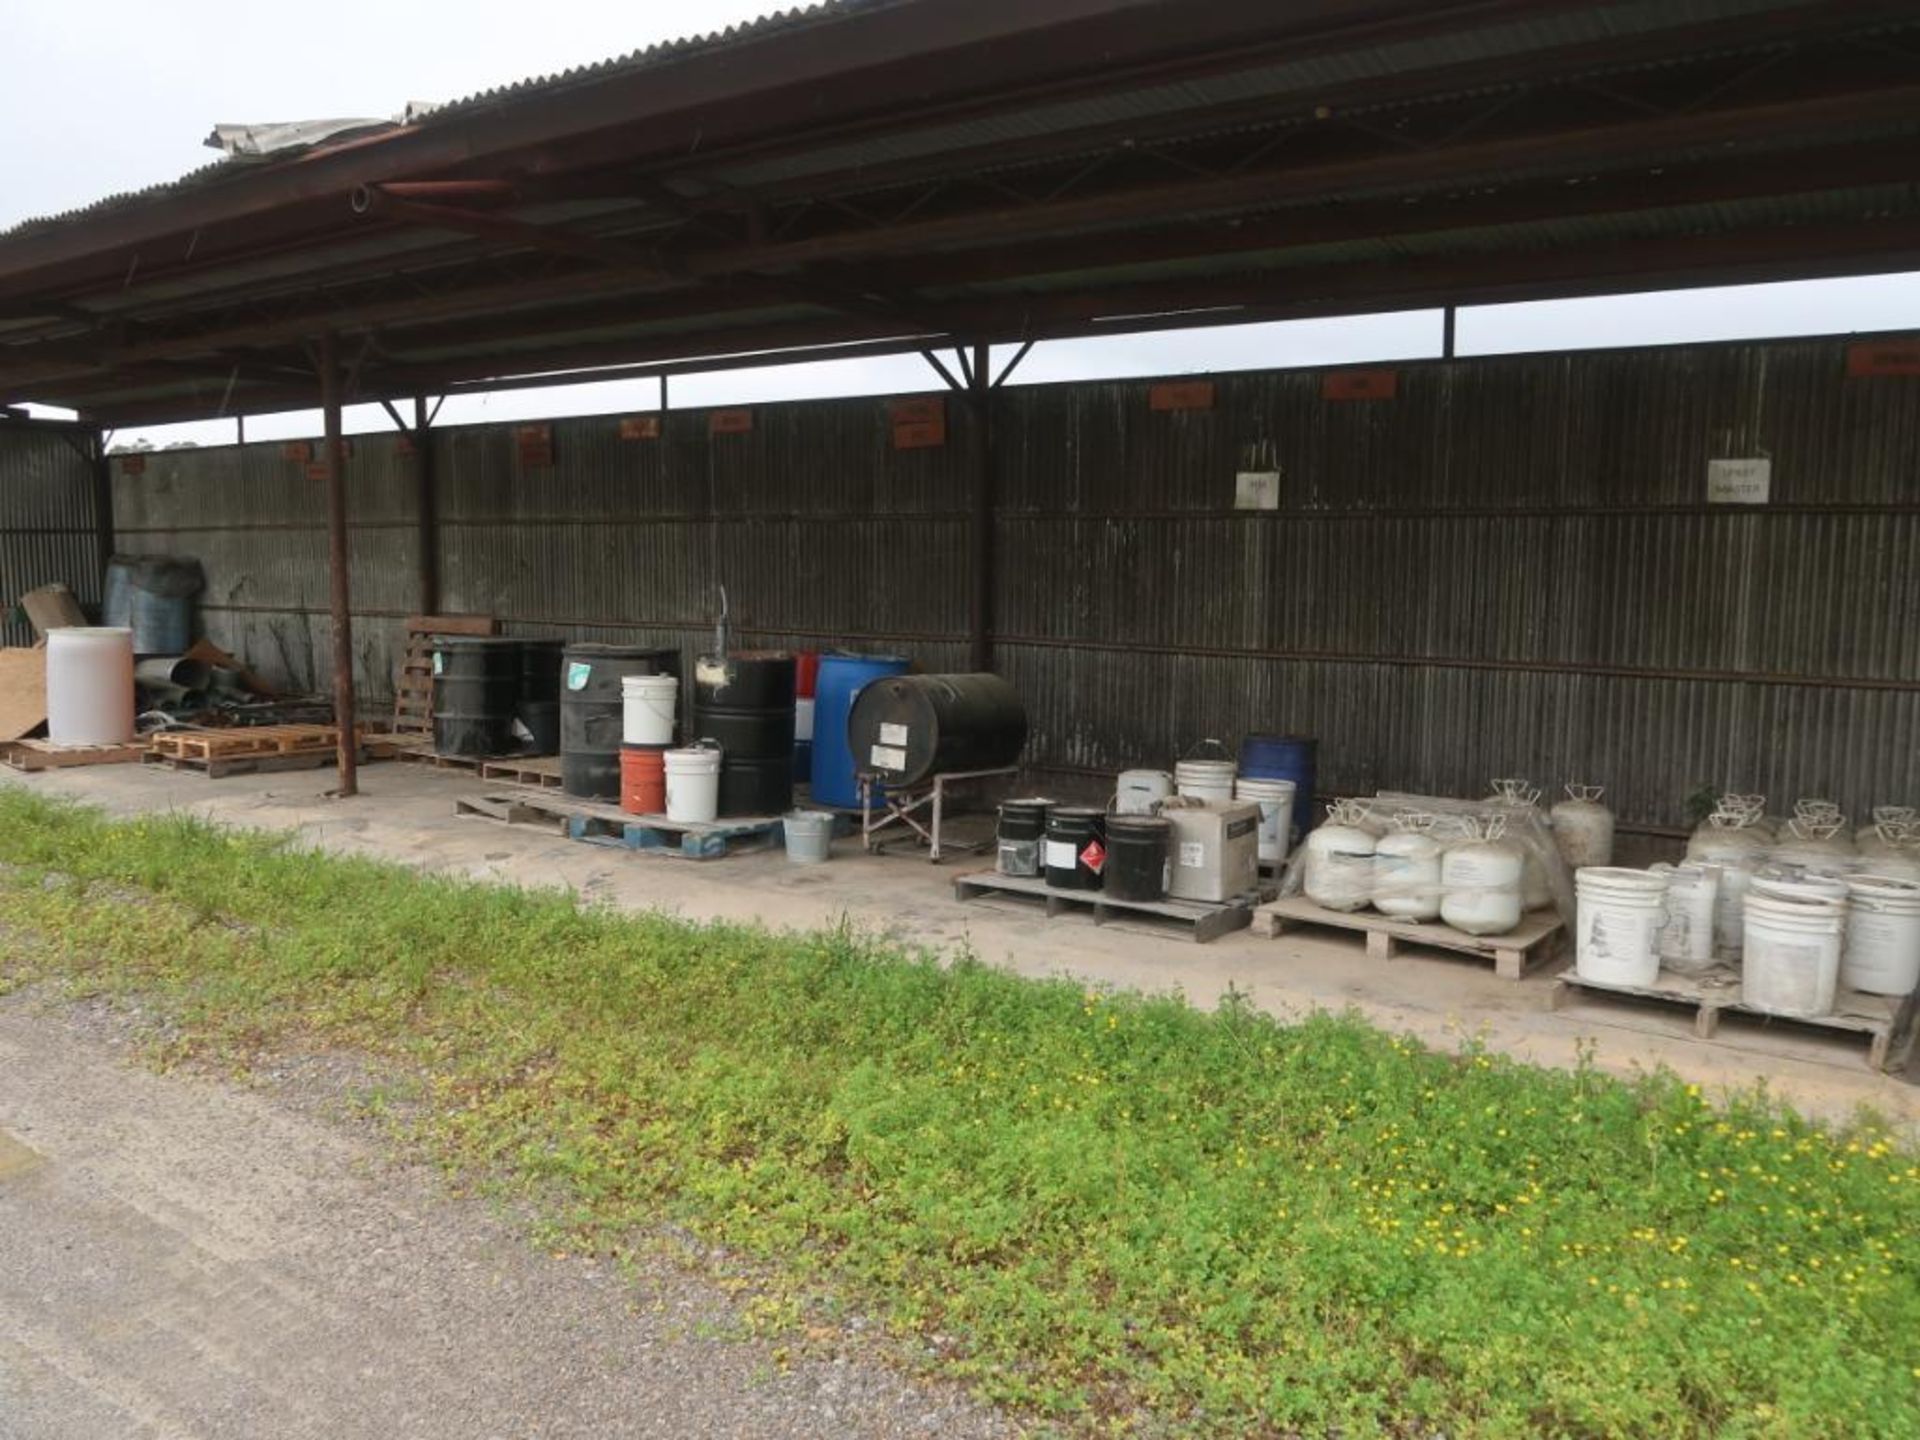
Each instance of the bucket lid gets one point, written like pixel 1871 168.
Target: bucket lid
pixel 1078 812
pixel 1139 824
pixel 1613 877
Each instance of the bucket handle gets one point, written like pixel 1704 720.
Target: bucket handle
pixel 707 742
pixel 1225 754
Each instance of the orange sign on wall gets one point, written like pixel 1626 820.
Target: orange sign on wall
pixel 730 422
pixel 1181 395
pixel 640 427
pixel 1884 357
pixel 1360 385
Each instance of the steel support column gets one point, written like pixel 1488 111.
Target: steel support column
pixel 980 532
pixel 339 592
pixel 427 503
pixel 102 506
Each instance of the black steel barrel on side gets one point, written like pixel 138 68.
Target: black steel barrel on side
pixel 744 703
pixel 476 684
pixel 909 728
pixel 539 707
pixel 592 714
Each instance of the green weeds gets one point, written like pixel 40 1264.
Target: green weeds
pixel 1099 1206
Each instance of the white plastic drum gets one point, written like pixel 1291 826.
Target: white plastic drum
pixel 1139 792
pixel 1480 886
pixel 1882 953
pixel 1275 799
pixel 1618 918
pixel 648 707
pixel 693 784
pixel 1685 941
pixel 1792 954
pixel 90 685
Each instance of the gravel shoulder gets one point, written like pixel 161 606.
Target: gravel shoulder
pixel 182 1257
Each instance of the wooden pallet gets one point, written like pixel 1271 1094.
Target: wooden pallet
pixel 542 772
pixel 219 767
pixel 1536 939
pixel 208 745
pixel 597 824
pixel 33 756
pixel 413 686
pixel 1881 1018
pixel 415 753
pixel 1194 920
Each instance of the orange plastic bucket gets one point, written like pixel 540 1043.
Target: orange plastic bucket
pixel 643 779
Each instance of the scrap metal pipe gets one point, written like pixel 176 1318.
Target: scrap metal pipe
pixel 338 590
pixel 370 199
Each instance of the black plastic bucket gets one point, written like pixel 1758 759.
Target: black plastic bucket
pixel 1022 833
pixel 1138 855
pixel 1075 847
pixel 592 712
pixel 476 684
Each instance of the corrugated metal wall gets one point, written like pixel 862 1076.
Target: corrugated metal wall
pixel 1507 568
pixel 47 531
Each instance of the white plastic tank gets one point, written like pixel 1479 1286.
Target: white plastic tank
pixel 1275 799
pixel 1480 883
pixel 1583 827
pixel 1406 870
pixel 1685 941
pixel 1339 861
pixel 1792 954
pixel 1882 951
pixel 1618 916
pixel 1139 792
pixel 1731 843
pixel 90 685
pixel 1822 845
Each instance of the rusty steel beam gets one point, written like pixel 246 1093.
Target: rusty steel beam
pixel 338 586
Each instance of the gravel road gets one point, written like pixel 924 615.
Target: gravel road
pixel 186 1258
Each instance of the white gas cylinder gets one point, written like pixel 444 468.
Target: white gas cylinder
pixel 1339 862
pixel 1583 827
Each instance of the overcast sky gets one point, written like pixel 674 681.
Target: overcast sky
pixel 100 96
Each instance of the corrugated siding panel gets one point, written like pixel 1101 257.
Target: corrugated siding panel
pixel 47 532
pixel 1509 568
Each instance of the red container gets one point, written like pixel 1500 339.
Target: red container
pixel 806 672
pixel 643 779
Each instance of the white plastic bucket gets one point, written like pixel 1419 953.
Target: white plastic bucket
pixel 1205 779
pixel 1618 917
pixel 1685 941
pixel 1797 884
pixel 1275 799
pixel 89 685
pixel 648 705
pixel 1139 792
pixel 1882 953
pixel 1792 953
pixel 809 836
pixel 693 784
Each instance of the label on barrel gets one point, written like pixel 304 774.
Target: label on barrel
pixel 885 757
pixel 439 662
pixel 1060 855
pixel 578 674
pixel 893 734
pixel 1094 857
pixel 1193 854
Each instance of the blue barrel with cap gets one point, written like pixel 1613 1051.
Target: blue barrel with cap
pixel 842 677
pixel 1284 757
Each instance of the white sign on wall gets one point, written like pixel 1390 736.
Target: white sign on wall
pixel 1256 490
pixel 1739 482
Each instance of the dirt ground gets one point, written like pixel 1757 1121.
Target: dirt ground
pixel 180 1258
pixel 406 814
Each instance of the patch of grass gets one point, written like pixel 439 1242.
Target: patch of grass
pixel 1100 1206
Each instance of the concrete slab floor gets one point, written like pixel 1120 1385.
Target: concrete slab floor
pixel 406 814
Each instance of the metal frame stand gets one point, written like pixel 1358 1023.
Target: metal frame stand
pixel 899 807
